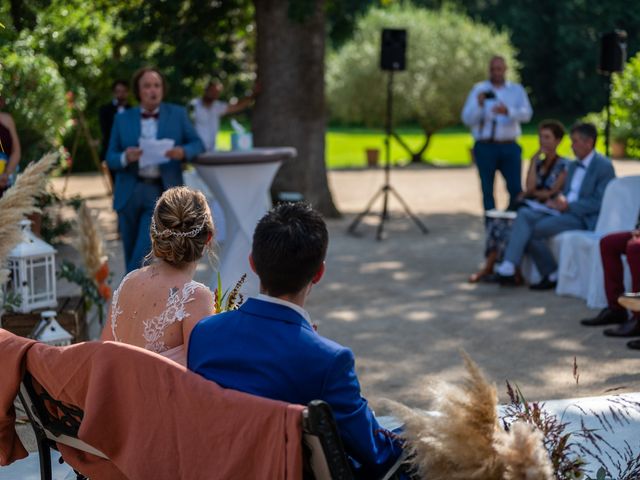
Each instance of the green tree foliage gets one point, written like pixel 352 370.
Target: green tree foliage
pixel 559 44
pixel 34 93
pixel 77 36
pixel 625 108
pixel 446 54
pixel 90 44
pixel 190 42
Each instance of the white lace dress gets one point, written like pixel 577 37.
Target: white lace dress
pixel 154 328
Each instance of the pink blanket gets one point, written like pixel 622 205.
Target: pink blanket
pixel 150 416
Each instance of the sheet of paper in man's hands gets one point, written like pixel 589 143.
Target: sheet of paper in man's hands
pixel 153 151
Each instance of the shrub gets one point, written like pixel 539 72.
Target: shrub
pixel 625 108
pixel 447 53
pixel 34 93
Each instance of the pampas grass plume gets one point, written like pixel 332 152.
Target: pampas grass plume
pixel 19 201
pixel 523 454
pixel 89 241
pixel 455 442
pixel 462 438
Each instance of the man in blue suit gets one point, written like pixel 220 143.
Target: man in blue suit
pixel 578 208
pixel 137 189
pixel 269 347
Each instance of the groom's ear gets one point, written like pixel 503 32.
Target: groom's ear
pixel 251 264
pixel 316 278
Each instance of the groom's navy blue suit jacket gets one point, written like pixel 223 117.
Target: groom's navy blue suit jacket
pixel 270 350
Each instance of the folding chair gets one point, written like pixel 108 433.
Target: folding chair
pixel 49 428
pixel 325 458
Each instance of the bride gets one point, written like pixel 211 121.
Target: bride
pixel 157 306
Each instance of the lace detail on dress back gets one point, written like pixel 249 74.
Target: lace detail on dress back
pixel 155 327
pixel 174 312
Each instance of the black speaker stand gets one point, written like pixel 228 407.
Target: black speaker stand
pixel 607 127
pixel 386 188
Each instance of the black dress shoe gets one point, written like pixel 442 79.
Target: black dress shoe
pixel 630 328
pixel 490 278
pixel 634 344
pixel 544 284
pixel 506 280
pixel 606 316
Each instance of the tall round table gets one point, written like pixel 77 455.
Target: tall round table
pixel 240 182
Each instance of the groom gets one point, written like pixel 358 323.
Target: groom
pixel 269 347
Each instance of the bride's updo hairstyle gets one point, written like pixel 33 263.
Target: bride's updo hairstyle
pixel 180 226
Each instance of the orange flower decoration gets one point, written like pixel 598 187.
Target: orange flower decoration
pixel 105 291
pixel 102 273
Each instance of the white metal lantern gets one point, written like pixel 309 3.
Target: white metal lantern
pixel 33 271
pixel 49 331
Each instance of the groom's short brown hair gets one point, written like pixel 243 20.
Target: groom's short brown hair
pixel 289 245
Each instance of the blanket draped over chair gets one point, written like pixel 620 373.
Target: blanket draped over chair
pixel 150 416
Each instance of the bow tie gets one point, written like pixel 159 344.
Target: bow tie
pixel 146 115
pixel 580 165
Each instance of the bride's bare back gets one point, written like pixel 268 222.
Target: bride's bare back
pixel 156 308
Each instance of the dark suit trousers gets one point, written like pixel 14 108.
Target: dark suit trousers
pixel 530 233
pixel 503 157
pixel 134 222
pixel 612 247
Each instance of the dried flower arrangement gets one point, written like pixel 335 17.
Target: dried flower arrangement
pixel 466 438
pixel 463 440
pixel 230 299
pixel 93 278
pixel 567 448
pixel 17 202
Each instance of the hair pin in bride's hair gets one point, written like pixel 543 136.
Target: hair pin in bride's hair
pixel 173 233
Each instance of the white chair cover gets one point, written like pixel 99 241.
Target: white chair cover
pixel 580 265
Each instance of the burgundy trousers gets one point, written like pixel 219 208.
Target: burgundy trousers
pixel 612 247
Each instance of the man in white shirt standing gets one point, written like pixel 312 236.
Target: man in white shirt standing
pixel 494 111
pixel 578 208
pixel 207 111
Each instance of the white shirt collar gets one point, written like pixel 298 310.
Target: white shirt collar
pixel 586 161
pixel 154 111
pixel 279 301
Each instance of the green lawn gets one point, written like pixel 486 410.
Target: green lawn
pixel 346 146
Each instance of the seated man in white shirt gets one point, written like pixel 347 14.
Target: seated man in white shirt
pixel 578 207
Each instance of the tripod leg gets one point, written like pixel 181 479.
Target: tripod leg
pixel 415 219
pixel 385 211
pixel 361 215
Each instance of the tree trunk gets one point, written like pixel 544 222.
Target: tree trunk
pixel 290 110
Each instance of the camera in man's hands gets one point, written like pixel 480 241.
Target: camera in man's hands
pixel 489 94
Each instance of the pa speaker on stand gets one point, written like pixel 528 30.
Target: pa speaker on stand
pixel 393 48
pixel 613 56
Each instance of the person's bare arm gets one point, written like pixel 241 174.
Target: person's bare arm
pixel 201 307
pixel 107 334
pixel 239 106
pixel 530 183
pixel 558 185
pixel 245 102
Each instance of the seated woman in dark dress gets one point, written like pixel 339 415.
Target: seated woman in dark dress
pixel 545 179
